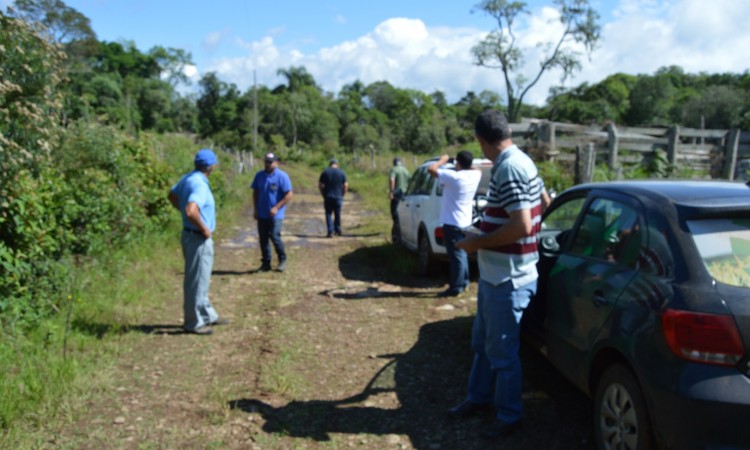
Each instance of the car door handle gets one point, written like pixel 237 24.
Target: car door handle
pixel 600 299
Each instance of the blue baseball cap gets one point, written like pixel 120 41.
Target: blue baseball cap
pixel 205 157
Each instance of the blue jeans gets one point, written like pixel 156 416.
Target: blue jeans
pixel 495 338
pixel 199 261
pixel 269 230
pixel 458 260
pixel 333 208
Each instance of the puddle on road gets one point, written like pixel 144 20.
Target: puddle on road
pixel 303 232
pixel 304 225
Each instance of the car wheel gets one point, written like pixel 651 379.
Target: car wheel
pixel 426 259
pixel 621 420
pixel 396 233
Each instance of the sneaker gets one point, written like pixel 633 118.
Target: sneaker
pixel 202 331
pixel 498 428
pixel 265 267
pixel 282 266
pixel 220 321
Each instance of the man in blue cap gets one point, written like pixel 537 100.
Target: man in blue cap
pixel 192 196
pixel 272 190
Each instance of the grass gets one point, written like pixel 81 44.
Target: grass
pixel 50 371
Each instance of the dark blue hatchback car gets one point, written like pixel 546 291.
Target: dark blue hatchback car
pixel 644 304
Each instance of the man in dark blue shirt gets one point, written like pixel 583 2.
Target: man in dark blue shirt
pixel 272 190
pixel 333 185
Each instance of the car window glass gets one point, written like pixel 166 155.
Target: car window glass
pixel 416 185
pixel 428 184
pixel 724 246
pixel 611 231
pixel 564 217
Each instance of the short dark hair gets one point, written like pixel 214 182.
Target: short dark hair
pixel 492 126
pixel 465 158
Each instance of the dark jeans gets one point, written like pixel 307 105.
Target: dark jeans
pixel 458 260
pixel 269 230
pixel 333 208
pixel 394 206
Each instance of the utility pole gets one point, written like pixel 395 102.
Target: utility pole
pixel 255 113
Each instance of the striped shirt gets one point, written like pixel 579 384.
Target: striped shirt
pixel 514 185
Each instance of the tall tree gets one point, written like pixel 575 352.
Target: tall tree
pixel 296 79
pixel 651 100
pixel 63 25
pixel 501 49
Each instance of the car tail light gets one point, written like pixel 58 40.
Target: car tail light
pixel 439 234
pixel 700 337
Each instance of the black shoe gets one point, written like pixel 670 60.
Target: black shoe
pixel 338 233
pixel 498 428
pixel 202 331
pixel 265 267
pixel 329 235
pixel 220 321
pixel 450 293
pixel 468 409
pixel 282 266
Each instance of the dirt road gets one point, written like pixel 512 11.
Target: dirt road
pixel 336 352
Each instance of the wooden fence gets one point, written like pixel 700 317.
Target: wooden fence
pixel 706 153
pixel 721 154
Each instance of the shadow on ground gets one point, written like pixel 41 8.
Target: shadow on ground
pixel 427 380
pixel 99 330
pixel 386 263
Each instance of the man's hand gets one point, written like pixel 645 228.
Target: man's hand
pixel 193 214
pixel 434 167
pixel 273 211
pixel 469 244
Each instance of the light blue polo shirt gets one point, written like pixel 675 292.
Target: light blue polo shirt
pixel 271 187
pixel 194 187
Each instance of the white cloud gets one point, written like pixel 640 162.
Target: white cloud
pixel 684 33
pixel 642 36
pixel 339 19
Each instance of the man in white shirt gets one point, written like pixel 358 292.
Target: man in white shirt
pixel 459 187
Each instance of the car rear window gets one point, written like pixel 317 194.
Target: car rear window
pixel 724 246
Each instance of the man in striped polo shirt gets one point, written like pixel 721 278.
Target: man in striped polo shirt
pixel 507 256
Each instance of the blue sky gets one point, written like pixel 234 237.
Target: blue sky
pixel 420 44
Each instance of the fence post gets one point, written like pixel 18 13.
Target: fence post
pixel 730 153
pixel 590 162
pixel 673 144
pixel 585 162
pixel 551 138
pixel 546 139
pixel 614 145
